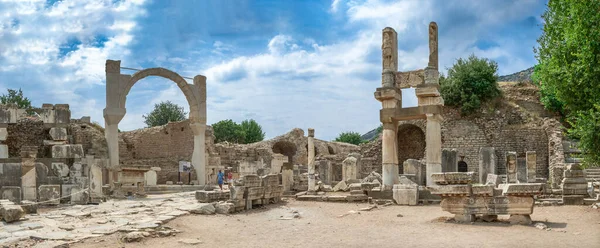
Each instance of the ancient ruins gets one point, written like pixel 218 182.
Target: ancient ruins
pixel 504 161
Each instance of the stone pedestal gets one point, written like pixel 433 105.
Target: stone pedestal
pixel 416 168
pixel 150 178
pixel 574 185
pixel 3 151
pixel 511 167
pixel 287 179
pixel 531 159
pixel 487 163
pixel 433 138
pixel 325 171
pixel 406 194
pixel 449 160
pixel 349 170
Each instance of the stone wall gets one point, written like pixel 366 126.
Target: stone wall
pixel 165 146
pixel 26 132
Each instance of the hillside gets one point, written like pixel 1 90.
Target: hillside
pixel 524 75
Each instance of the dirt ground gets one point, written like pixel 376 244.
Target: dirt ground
pixel 319 225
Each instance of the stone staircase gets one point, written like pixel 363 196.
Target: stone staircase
pixel 592 175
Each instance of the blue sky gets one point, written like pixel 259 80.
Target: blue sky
pixel 285 64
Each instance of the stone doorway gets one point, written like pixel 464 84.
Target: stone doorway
pixel 411 144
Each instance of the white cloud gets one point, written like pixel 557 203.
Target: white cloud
pixel 31 48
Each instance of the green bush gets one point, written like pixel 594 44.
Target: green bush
pixel 469 83
pixel 349 137
pixel 249 131
pixel 164 113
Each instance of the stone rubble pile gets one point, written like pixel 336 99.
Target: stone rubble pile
pixel 470 201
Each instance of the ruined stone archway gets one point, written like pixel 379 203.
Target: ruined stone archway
pixel 411 144
pixel 288 149
pixel 118 86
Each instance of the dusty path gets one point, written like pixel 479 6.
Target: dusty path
pixel 320 226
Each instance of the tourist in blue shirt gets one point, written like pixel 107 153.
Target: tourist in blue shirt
pixel 220 176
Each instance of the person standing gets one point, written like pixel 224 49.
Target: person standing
pixel 229 179
pixel 220 176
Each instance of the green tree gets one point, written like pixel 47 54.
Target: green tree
pixel 569 68
pixel 547 93
pixel 349 137
pixel 586 126
pixel 164 113
pixel 16 97
pixel 228 130
pixel 470 82
pixel 252 131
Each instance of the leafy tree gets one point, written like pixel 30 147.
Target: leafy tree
pixel 252 131
pixel 164 113
pixel 470 82
pixel 349 137
pixel 16 97
pixel 569 69
pixel 228 130
pixel 586 126
pixel 547 93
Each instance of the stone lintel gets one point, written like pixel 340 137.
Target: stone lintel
pixel 412 113
pixel 388 93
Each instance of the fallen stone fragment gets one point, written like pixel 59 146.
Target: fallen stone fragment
pixel 341 186
pixel 399 215
pixel 224 208
pixel 541 226
pixel 11 213
pixel 135 236
pixel 67 227
pixel 190 241
pixel 520 219
pixel 369 208
pixel 348 213
pixel 29 207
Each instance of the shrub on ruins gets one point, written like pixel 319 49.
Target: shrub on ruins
pixel 568 70
pixel 16 97
pixel 349 137
pixel 163 113
pixel 252 131
pixel 469 83
pixel 228 130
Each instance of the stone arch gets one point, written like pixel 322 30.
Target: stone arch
pixel 288 149
pixel 411 143
pixel 118 86
pixel 186 88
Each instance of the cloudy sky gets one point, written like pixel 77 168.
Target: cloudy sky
pixel 286 64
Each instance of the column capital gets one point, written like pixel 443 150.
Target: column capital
pixel 198 128
pixel 434 117
pixel 113 116
pixel 388 93
pixel 311 132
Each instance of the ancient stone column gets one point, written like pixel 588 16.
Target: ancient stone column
pixel 531 158
pixel 389 53
pixel 431 71
pixel 199 153
pixel 113 114
pixel 389 155
pixel 311 161
pixel 433 139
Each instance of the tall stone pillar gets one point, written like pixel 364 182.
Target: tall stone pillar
pixel 487 163
pixel 112 117
pixel 198 125
pixel 511 167
pixel 433 140
pixel 311 161
pixel 389 156
pixel 113 114
pixel 389 54
pixel 199 153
